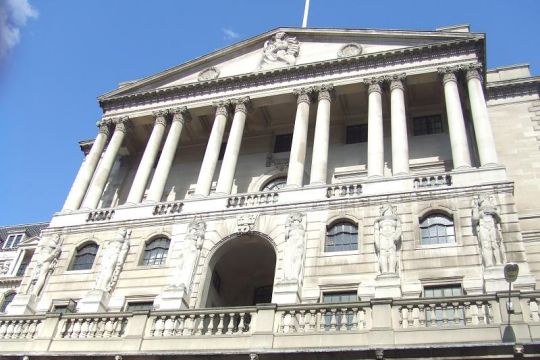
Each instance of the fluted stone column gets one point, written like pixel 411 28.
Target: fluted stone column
pixel 105 166
pixel 84 176
pixel 482 125
pixel 375 153
pixel 148 159
pixel 319 161
pixel 456 125
pixel 295 175
pixel 230 158
pixel 180 117
pixel 400 142
pixel 211 155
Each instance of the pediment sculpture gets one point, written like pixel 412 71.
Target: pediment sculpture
pixel 281 50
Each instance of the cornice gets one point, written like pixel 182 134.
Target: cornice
pixel 334 66
pixel 513 88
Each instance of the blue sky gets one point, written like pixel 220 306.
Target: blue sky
pixel 58 56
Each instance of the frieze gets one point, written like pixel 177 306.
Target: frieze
pixel 508 90
pixel 330 67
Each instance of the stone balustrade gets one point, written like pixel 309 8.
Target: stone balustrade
pixel 446 312
pixel 100 215
pixel 467 319
pixel 168 208
pixel 255 199
pixel 19 328
pixel 343 190
pixel 320 318
pixel 431 181
pixel 93 326
pixel 207 322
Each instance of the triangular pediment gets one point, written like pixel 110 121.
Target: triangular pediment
pixel 286 48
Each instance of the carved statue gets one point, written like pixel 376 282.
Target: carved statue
pixel 4 268
pixel 387 238
pixel 279 51
pixel 189 252
pixel 47 254
pixel 485 218
pixel 113 259
pixel 294 253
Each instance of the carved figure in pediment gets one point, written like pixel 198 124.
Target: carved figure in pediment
pixel 281 50
pixel 113 259
pixel 294 249
pixel 387 238
pixel 486 220
pixel 47 253
pixel 190 249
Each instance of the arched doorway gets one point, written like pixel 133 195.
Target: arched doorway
pixel 241 272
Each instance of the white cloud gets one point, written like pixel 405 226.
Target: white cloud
pixel 13 16
pixel 229 33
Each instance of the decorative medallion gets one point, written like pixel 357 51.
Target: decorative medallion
pixel 281 50
pixel 349 50
pixel 208 74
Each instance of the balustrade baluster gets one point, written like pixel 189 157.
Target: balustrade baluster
pixel 333 320
pixel 301 320
pixel 16 330
pixel 312 320
pixel 230 324
pixel 169 326
pixel 3 329
pixel 211 325
pixel 221 323
pixel 433 313
pixel 241 325
pixel 199 324
pixel 84 328
pixel 77 328
pixel 482 316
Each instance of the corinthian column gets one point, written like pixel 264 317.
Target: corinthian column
pixel 147 161
pixel 456 125
pixel 400 143
pixel 180 116
pixel 105 166
pixel 84 176
pixel 295 176
pixel 375 153
pixel 211 155
pixel 319 161
pixel 482 125
pixel 228 166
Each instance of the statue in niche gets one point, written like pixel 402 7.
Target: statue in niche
pixel 187 259
pixel 387 238
pixel 281 50
pixel 486 220
pixel 47 253
pixel 113 259
pixel 294 250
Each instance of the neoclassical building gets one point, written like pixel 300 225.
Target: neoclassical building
pixel 305 193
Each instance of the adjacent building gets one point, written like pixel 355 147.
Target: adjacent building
pixel 306 193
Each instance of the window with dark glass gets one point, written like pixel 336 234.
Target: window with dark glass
pixel 140 306
pixel 341 236
pixel 7 300
pixel 155 252
pixel 356 134
pixel 275 184
pixel 444 313
pixel 340 314
pixel 427 125
pixel 13 241
pixel 437 229
pixel 22 267
pixel 84 258
pixel 283 143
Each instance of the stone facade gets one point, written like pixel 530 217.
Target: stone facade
pixel 337 193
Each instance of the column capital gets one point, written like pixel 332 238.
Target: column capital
pixel 448 73
pixel 160 116
pixel 325 92
pixel 180 113
pixel 222 107
pixel 303 95
pixel 396 81
pixel 374 84
pixel 121 124
pixel 472 72
pixel 242 105
pixel 103 126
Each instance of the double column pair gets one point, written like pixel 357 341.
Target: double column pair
pixel 456 124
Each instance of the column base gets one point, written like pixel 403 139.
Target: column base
pixel 172 298
pixel 286 292
pixel 94 301
pixel 388 286
pixel 488 165
pixel 22 304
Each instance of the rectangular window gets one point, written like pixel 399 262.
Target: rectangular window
pixel 337 318
pixel 283 143
pixel 22 268
pixel 140 306
pixel 356 134
pixel 427 125
pixel 13 241
pixel 444 313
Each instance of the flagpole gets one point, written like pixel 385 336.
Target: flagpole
pixel 306 12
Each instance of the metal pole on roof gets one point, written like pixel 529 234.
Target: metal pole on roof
pixel 306 12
